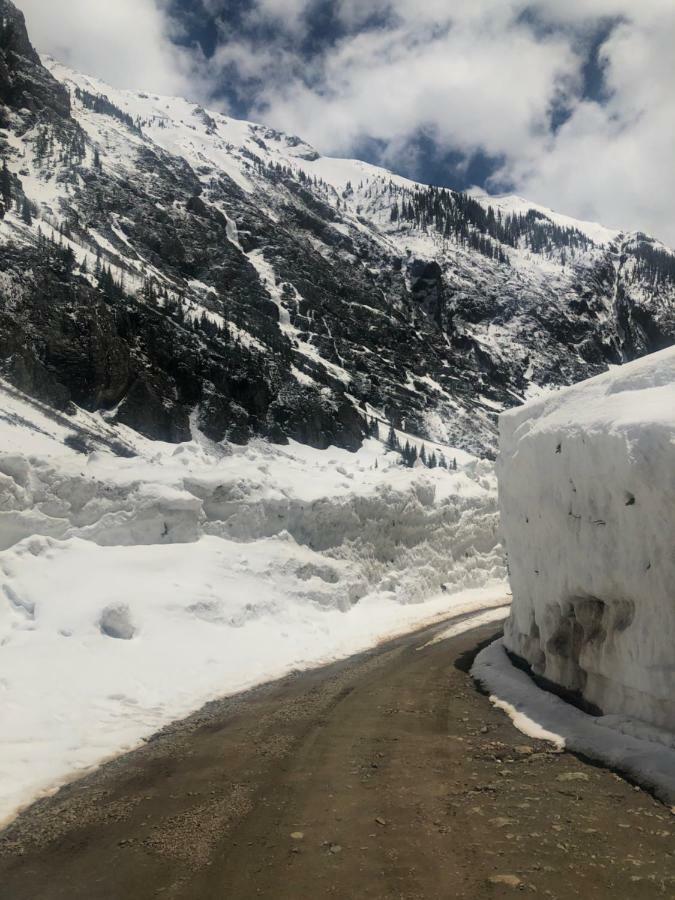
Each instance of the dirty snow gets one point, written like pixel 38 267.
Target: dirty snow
pixel 643 753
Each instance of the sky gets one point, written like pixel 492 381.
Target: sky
pixel 570 103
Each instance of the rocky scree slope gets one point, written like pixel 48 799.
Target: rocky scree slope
pixel 184 272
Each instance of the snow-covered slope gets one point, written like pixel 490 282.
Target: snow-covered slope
pixel 135 588
pixel 587 500
pixel 510 204
pixel 158 259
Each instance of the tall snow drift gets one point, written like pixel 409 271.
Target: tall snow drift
pixel 587 498
pixel 132 590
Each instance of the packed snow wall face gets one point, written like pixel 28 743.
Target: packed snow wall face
pixel 587 499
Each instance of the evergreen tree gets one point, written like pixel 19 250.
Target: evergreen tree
pixel 454 464
pixel 6 186
pixel 149 293
pixel 433 462
pixel 106 282
pixel 392 440
pixel 423 454
pixel 413 456
pixel 41 143
pixel 68 261
pixel 26 212
pixel 180 308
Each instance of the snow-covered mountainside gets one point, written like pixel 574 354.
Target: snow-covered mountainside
pixel 135 588
pixel 587 500
pixel 174 266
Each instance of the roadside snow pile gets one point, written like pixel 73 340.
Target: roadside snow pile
pixel 587 498
pixel 642 752
pixel 132 590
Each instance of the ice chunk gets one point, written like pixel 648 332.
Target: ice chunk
pixel 115 622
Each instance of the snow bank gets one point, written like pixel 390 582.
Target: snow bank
pixel 640 751
pixel 587 498
pixel 134 590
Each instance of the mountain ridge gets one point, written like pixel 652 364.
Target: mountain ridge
pixel 229 277
pixel 350 166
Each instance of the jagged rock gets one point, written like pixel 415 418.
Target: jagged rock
pixel 573 776
pixel 24 83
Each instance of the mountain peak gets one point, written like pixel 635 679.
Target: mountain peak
pixel 26 87
pixel 180 271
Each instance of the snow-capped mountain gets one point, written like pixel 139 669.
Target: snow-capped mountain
pixel 184 271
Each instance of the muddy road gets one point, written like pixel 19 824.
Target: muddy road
pixel 384 776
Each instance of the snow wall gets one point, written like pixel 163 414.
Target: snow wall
pixel 587 500
pixel 134 589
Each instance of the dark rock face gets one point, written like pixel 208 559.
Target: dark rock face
pixel 144 410
pixel 171 313
pixel 428 288
pixel 24 83
pixel 63 340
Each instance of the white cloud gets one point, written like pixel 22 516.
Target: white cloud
pixel 124 42
pixel 490 94
pixel 474 75
pixel 613 162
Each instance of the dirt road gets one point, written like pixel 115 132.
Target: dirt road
pixel 384 776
